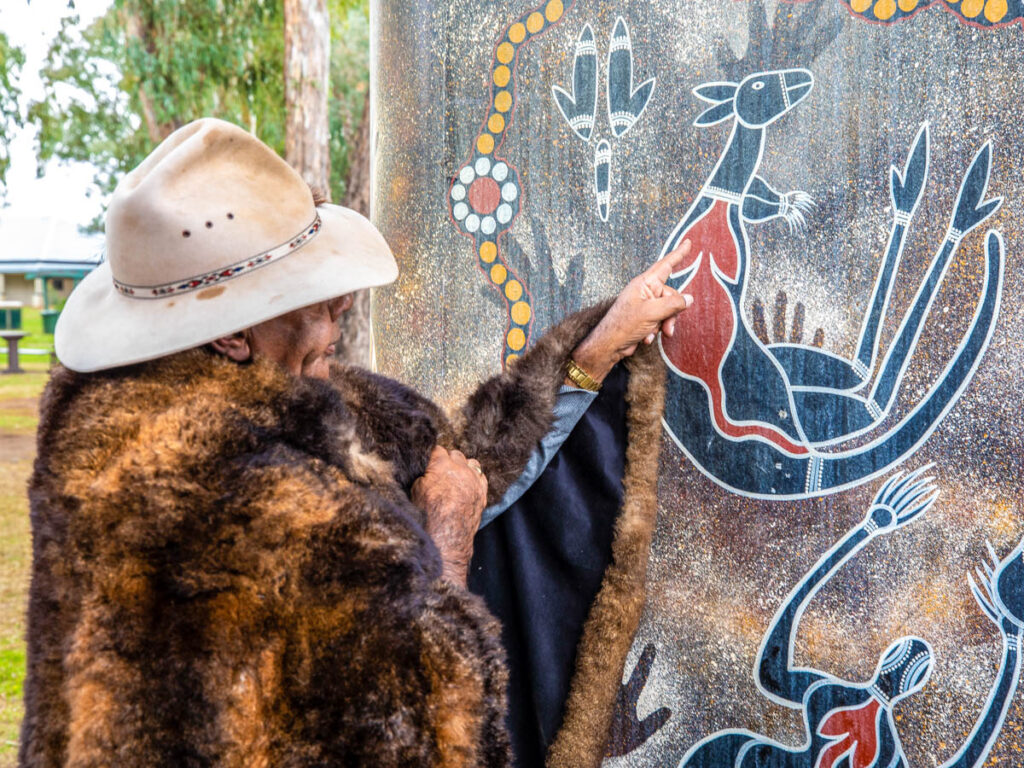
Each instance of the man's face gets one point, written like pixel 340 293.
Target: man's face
pixel 301 341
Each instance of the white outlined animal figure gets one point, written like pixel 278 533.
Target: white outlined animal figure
pixel 851 725
pixel 770 421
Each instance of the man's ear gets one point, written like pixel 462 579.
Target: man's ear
pixel 234 347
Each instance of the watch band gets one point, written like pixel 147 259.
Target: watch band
pixel 580 377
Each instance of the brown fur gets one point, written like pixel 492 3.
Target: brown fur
pixel 227 569
pixel 228 572
pixel 615 613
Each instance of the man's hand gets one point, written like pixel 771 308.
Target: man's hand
pixel 453 494
pixel 645 306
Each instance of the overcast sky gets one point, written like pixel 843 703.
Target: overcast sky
pixel 62 190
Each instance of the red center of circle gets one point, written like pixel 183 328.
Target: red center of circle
pixel 484 195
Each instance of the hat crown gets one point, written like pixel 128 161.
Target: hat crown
pixel 210 196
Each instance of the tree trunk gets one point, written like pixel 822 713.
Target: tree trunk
pixel 307 41
pixel 356 344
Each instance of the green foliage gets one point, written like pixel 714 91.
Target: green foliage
pixel 350 84
pixel 118 87
pixel 12 59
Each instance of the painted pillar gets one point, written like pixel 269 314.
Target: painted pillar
pixel 851 178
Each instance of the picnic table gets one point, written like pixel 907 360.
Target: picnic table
pixel 12 338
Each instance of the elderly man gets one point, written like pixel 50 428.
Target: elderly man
pixel 243 553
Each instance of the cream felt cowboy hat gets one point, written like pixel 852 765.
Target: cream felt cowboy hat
pixel 211 234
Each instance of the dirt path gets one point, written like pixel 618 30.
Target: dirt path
pixel 15 447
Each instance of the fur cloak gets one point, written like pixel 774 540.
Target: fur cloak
pixel 228 571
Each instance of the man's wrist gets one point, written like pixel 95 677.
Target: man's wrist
pixel 597 362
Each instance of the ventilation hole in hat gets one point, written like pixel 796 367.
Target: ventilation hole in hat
pixel 231 215
pixel 186 233
pixel 209 225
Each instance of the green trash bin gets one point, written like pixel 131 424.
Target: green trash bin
pixel 50 320
pixel 10 316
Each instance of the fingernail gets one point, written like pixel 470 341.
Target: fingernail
pixel 671 329
pixel 649 339
pixel 687 299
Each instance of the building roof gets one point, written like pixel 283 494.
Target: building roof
pixel 47 246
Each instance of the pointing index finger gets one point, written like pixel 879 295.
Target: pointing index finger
pixel 668 264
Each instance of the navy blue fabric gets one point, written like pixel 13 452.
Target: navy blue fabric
pixel 540 565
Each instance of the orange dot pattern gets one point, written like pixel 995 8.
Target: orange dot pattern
pixel 502 78
pixel 981 13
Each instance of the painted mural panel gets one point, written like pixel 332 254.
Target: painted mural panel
pixel 835 578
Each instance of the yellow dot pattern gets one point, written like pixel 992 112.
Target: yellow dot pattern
pixel 981 12
pixel 521 313
pixel 884 9
pixel 531 23
pixel 995 10
pixel 514 290
pixel 554 10
pixel 506 52
pixel 516 339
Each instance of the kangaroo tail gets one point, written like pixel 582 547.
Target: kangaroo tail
pixel 906 187
pixel 832 472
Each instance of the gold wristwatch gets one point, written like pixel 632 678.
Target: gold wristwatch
pixel 580 377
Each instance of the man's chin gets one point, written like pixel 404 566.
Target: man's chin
pixel 318 369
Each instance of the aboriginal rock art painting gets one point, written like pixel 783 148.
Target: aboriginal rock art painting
pixel 772 420
pixel 851 725
pixel 625 102
pixel 485 196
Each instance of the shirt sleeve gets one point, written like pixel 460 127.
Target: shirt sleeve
pixel 570 405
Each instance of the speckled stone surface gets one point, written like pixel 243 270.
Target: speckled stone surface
pixel 721 564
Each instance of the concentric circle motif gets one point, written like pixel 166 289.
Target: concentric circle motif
pixel 486 194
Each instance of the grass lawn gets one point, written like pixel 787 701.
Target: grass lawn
pixel 19 396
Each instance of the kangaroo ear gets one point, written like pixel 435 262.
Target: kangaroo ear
pixel 715 92
pixel 715 114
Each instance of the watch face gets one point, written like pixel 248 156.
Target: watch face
pixel 850 176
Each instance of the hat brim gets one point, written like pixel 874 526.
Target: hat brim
pixel 100 328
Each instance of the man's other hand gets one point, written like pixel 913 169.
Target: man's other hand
pixel 453 494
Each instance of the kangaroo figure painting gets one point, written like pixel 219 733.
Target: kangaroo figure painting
pixel 770 420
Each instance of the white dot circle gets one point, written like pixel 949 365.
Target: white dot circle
pixel 500 172
pixel 488 225
pixel 473 222
pixel 483 166
pixel 460 210
pixel 466 175
pixel 458 192
pixel 510 192
pixel 504 213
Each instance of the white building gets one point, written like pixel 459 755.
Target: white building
pixel 41 259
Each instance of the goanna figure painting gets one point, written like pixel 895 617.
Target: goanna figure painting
pixel 852 724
